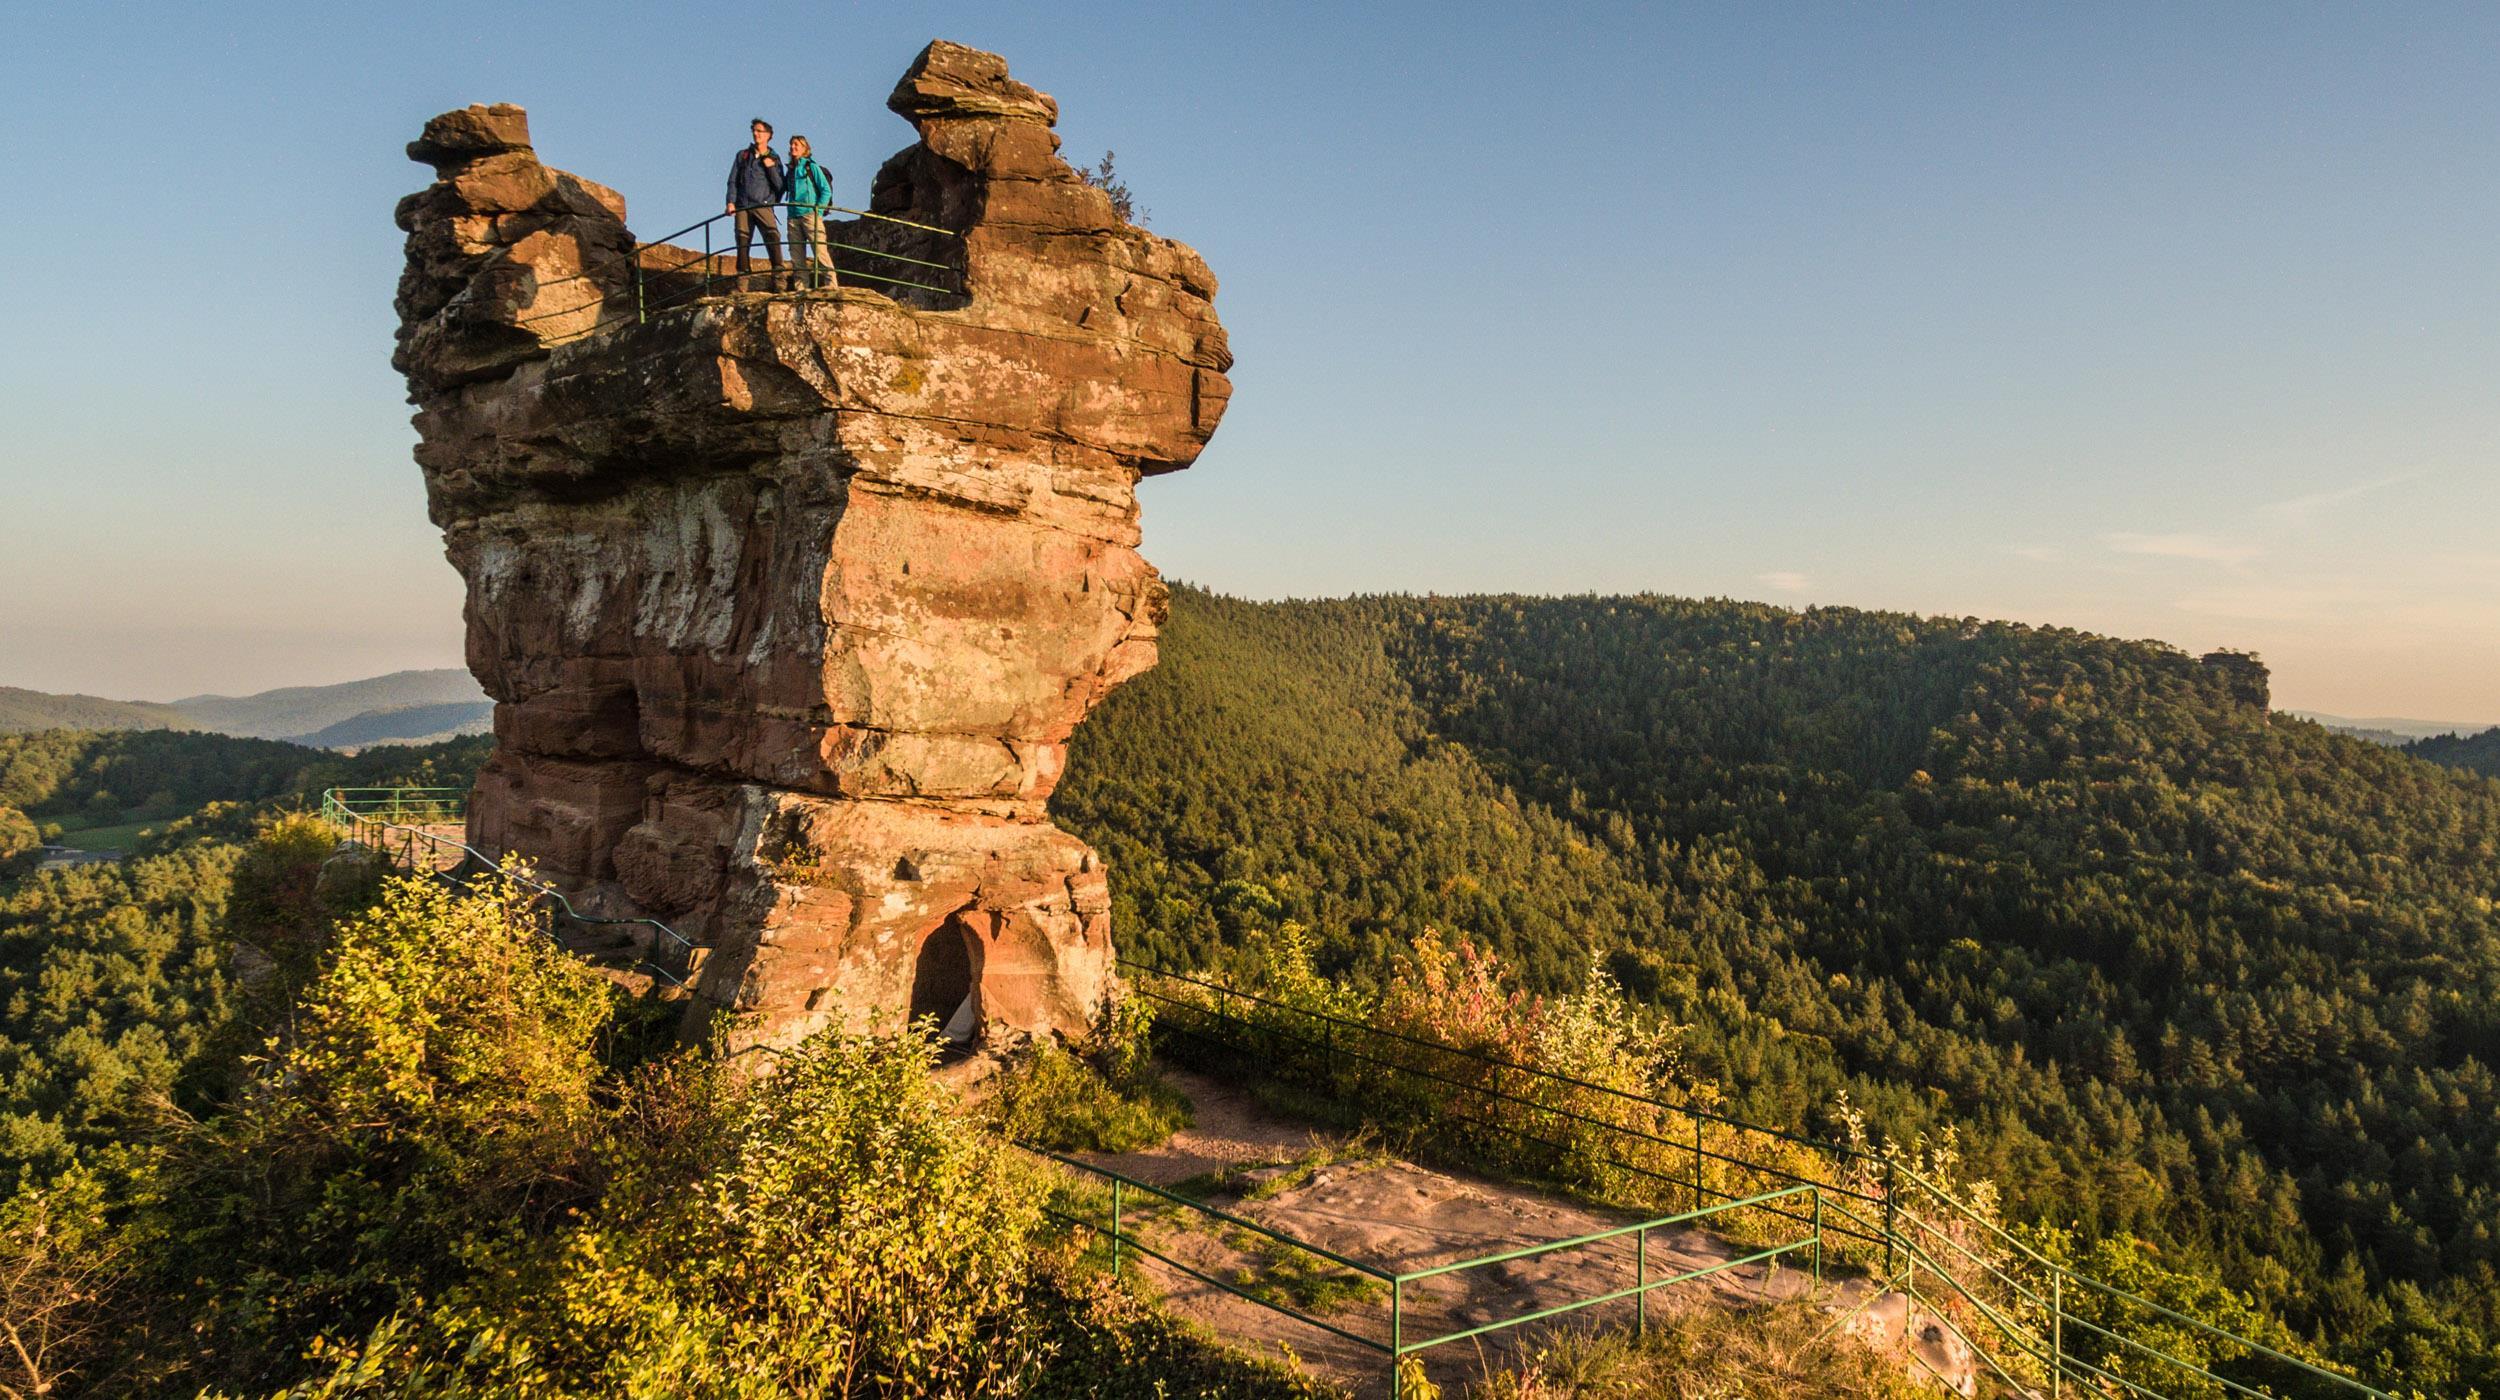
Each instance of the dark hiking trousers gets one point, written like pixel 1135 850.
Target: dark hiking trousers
pixel 749 223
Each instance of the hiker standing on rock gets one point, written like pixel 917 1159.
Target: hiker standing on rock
pixel 756 181
pixel 810 194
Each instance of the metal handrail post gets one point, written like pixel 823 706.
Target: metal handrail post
pixel 1818 1237
pixel 1892 1232
pixel 1115 1225
pixel 2057 1334
pixel 1397 1338
pixel 1640 1300
pixel 1697 1199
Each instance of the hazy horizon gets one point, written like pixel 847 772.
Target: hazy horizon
pixel 2491 718
pixel 2154 323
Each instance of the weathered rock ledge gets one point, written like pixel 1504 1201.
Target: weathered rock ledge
pixel 790 603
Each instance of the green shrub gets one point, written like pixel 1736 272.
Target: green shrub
pixel 1104 1096
pixel 437 1095
pixel 1061 1101
pixel 276 901
pixel 837 1227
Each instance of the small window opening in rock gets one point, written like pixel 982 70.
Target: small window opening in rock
pixel 943 985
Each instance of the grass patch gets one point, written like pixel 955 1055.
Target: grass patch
pixel 119 837
pixel 1061 1101
pixel 1274 1272
pixel 1711 1353
pixel 1297 1278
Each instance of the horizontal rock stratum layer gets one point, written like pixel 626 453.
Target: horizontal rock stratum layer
pixel 789 603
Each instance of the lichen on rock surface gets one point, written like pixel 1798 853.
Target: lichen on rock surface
pixel 789 603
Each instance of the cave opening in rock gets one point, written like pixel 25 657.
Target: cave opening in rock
pixel 945 984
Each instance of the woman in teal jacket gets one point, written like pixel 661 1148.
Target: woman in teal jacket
pixel 809 195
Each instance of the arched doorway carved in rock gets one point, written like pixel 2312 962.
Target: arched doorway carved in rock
pixel 946 979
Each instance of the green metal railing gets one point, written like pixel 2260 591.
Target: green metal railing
pixel 395 822
pixel 433 806
pixel 1121 1229
pixel 931 275
pixel 695 276
pixel 2035 1325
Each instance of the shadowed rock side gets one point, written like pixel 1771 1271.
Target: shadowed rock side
pixel 790 603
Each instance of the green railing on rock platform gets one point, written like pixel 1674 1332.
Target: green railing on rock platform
pixel 652 289
pixel 2036 1326
pixel 404 825
pixel 1119 1224
pixel 666 276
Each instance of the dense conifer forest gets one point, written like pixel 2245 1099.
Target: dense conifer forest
pixel 2177 967
pixel 2479 753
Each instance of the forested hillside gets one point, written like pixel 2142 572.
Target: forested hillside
pixel 22 710
pixel 2178 967
pixel 63 773
pixel 2476 753
pixel 113 988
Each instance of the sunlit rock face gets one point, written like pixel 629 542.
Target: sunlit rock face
pixel 789 603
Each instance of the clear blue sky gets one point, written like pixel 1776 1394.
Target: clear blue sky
pixel 2160 320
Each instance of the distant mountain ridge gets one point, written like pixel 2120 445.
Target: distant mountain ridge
pixel 298 711
pixel 405 724
pixel 2393 731
pixel 36 709
pixel 404 707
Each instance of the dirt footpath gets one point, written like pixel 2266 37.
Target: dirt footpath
pixel 1329 1191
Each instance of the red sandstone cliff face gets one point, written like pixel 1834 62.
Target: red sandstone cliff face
pixel 790 603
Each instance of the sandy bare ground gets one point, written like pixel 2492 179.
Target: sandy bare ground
pixel 1401 1217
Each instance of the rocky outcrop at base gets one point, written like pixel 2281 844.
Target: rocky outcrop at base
pixel 789 603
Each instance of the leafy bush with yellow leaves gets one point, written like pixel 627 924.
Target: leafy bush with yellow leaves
pixel 443 1174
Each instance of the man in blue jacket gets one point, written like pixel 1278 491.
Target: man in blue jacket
pixel 755 185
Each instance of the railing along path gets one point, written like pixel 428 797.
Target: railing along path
pixel 402 824
pixel 1121 1230
pixel 2038 1327
pixel 695 276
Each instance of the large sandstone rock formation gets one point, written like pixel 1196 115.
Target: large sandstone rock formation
pixel 790 602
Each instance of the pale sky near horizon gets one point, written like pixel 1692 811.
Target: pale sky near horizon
pixel 2154 320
